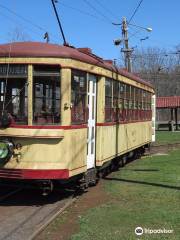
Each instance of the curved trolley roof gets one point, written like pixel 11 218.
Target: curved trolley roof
pixel 39 49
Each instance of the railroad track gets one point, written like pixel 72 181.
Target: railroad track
pixel 59 211
pixel 6 195
pixel 24 214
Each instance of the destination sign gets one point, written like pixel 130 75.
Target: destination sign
pixel 13 70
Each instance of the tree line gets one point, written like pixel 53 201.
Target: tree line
pixel 159 67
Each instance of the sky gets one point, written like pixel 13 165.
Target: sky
pixel 88 23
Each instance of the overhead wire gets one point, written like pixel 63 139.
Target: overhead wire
pixel 29 29
pixel 135 11
pixel 137 32
pixel 80 11
pixel 97 11
pixel 12 20
pixel 164 53
pixel 40 28
pixel 106 9
pixel 133 34
pixel 152 55
pixel 21 17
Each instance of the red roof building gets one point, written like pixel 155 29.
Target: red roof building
pixel 172 103
pixel 168 102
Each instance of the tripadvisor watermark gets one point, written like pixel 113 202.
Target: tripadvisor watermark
pixel 140 231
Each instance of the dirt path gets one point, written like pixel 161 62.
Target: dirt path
pixel 67 224
pixel 164 149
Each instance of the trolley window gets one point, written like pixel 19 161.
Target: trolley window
pixel 13 91
pixel 46 95
pixel 116 100
pixel 122 95
pixel 144 99
pixel 132 98
pixel 108 100
pixel 78 96
pixel 127 96
pixel 149 101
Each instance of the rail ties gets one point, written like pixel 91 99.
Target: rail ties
pixel 58 211
pixel 9 194
pixel 27 213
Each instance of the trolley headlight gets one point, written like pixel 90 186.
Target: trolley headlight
pixel 6 149
pixel 3 150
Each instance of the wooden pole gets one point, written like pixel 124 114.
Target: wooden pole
pixel 176 121
pixel 172 114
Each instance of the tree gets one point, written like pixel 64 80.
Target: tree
pixel 160 68
pixel 18 35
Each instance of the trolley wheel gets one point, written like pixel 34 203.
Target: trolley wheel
pixel 46 187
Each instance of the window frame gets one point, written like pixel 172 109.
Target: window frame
pixel 82 96
pixel 49 78
pixel 15 93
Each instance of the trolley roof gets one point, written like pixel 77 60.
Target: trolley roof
pixel 39 49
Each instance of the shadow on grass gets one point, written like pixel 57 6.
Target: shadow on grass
pixel 142 170
pixel 142 182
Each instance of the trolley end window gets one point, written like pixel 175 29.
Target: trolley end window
pixel 46 95
pixel 13 91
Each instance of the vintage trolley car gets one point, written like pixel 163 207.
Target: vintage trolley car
pixel 67 113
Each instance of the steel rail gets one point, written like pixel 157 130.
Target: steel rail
pixel 61 210
pixel 10 194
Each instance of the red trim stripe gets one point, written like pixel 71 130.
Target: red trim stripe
pixel 76 126
pixel 45 174
pixel 50 126
pixel 31 136
pixel 122 122
pixel 34 174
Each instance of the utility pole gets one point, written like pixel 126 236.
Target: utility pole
pixel 126 50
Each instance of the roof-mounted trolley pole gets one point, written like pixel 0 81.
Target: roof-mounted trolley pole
pixel 59 22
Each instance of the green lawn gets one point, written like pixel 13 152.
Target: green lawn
pixel 144 193
pixel 164 137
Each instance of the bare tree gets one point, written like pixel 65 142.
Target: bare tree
pixel 18 35
pixel 159 67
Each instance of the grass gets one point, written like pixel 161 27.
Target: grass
pixel 144 193
pixel 164 137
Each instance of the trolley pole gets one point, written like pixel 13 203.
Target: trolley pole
pixel 59 22
pixel 126 50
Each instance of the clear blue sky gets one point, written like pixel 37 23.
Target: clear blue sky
pixel 86 27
